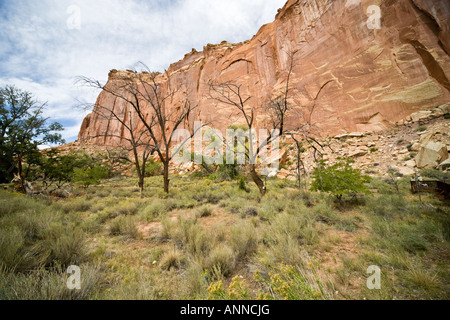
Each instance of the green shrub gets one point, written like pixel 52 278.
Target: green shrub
pixel 339 179
pixel 242 185
pixel 435 174
pixel 153 168
pixel 90 176
pixel 421 129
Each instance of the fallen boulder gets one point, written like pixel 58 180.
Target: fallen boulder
pixel 431 155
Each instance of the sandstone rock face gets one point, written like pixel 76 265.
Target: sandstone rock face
pixel 347 77
pixel 431 155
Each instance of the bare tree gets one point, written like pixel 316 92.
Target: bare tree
pixel 156 118
pixel 231 94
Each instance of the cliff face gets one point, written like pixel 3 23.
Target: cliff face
pixel 346 76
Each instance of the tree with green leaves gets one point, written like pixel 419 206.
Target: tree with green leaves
pixel 339 179
pixel 23 128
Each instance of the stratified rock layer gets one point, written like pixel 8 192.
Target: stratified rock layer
pixel 347 77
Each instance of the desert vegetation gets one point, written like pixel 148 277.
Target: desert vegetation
pixel 216 237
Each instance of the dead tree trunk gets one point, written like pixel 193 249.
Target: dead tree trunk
pixel 257 180
pixel 166 176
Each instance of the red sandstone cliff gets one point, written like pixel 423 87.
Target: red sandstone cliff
pixel 347 76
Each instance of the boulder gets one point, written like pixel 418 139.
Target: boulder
pixel 431 155
pixel 350 135
pixel 410 163
pixel 358 153
pixel 421 115
pixel 444 165
pixel 415 147
pixel 406 171
pixel 445 108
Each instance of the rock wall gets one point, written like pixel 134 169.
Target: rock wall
pixel 346 77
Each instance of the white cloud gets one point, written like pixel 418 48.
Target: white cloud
pixel 41 54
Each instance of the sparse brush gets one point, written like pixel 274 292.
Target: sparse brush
pixel 124 226
pixel 77 205
pixel 42 284
pixel 172 259
pixel 156 208
pixel 244 239
pixel 204 212
pixel 287 282
pixel 223 258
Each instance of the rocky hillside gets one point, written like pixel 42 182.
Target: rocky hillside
pixel 347 77
pixel 420 141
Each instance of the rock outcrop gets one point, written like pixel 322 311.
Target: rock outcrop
pixel 431 155
pixel 347 77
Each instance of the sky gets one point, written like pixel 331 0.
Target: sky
pixel 46 44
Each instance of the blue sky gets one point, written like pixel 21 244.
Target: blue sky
pixel 46 44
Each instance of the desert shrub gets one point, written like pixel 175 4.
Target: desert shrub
pixel 204 211
pixel 195 280
pixel 62 244
pixel 221 258
pixel 283 247
pixel 187 233
pixel 156 208
pixel 435 174
pixel 388 205
pixel 323 212
pixel 123 208
pixel 76 205
pixel 234 205
pixel 249 211
pixel 227 171
pixel 242 184
pixel 12 203
pixel 296 227
pixel 172 259
pixel 124 226
pixel 270 207
pixel 42 284
pixel 400 236
pixel 153 168
pixel 421 129
pixel 244 239
pixel 90 176
pixel 208 197
pixel 30 240
pixel 294 283
pixel 237 290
